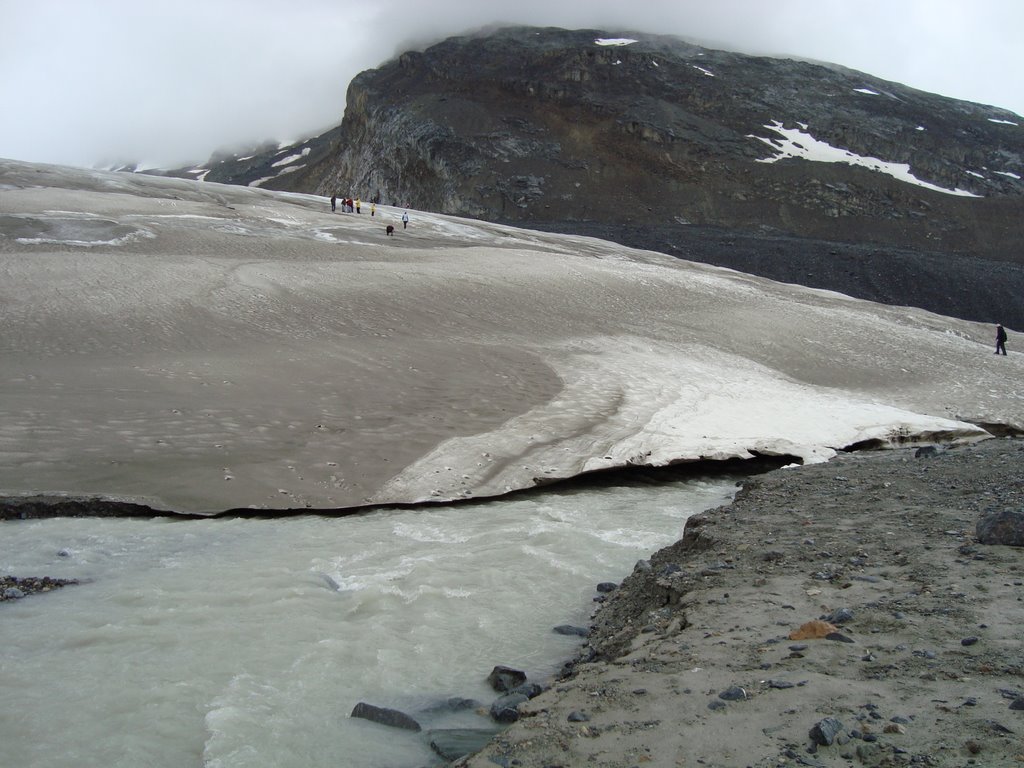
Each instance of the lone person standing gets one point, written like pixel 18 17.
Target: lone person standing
pixel 405 219
pixel 1000 340
pixel 334 202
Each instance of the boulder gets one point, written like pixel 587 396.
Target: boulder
pixel 1003 527
pixel 733 693
pixel 506 709
pixel 452 704
pixel 826 731
pixel 839 616
pixel 530 690
pixel 504 679
pixel 385 716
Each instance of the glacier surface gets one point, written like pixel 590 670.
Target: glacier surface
pixel 200 347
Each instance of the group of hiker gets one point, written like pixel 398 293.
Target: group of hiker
pixel 354 205
pixel 351 205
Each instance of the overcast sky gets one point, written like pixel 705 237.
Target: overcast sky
pixel 167 82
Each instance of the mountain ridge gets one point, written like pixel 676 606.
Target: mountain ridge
pixel 658 142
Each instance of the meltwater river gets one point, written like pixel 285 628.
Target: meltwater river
pixel 246 642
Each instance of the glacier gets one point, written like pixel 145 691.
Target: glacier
pixel 199 347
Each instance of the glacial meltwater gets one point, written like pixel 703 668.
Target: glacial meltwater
pixel 245 643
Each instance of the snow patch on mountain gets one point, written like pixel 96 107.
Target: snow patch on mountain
pixel 797 143
pixel 291 158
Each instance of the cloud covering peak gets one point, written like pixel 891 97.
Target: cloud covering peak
pixel 166 84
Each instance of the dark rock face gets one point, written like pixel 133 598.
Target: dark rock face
pixel 664 145
pixel 546 125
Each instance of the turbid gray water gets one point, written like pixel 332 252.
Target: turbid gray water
pixel 245 643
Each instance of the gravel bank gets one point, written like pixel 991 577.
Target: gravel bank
pixel 690 661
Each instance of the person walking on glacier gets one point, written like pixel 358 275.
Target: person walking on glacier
pixel 1000 339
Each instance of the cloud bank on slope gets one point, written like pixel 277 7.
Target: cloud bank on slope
pixel 254 71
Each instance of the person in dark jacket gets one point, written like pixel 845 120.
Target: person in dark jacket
pixel 334 203
pixel 1000 340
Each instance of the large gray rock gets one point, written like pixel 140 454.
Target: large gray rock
pixel 385 716
pixel 503 679
pixel 826 731
pixel 506 709
pixel 1005 527
pixel 530 690
pixel 452 704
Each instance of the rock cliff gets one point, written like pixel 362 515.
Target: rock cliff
pixel 799 171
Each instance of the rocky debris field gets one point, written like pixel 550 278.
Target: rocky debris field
pixel 835 614
pixel 44 506
pixel 14 588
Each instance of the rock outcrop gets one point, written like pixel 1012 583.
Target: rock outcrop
pixel 548 125
pixel 799 171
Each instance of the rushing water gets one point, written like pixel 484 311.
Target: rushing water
pixel 246 642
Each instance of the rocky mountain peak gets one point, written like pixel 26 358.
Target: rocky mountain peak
pixel 654 141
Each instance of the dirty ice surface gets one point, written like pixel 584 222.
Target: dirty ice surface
pixel 201 347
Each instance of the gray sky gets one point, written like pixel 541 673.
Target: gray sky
pixel 165 83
